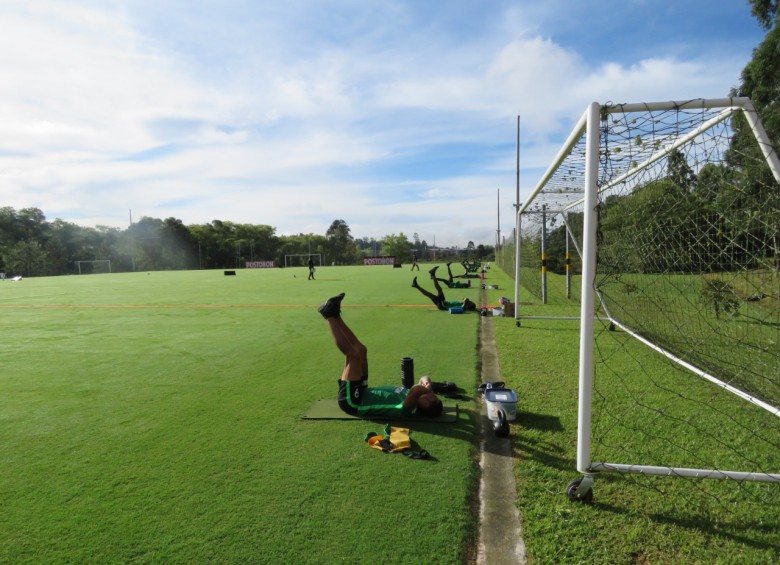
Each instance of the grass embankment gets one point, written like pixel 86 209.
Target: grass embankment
pixel 155 418
pixel 644 413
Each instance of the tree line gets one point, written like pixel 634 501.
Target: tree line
pixel 30 245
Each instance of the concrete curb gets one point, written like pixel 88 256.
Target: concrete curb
pixel 500 532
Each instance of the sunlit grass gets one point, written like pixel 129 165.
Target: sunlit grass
pixel 644 413
pixel 155 418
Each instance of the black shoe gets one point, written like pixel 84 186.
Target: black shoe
pixel 433 272
pixel 414 282
pixel 332 307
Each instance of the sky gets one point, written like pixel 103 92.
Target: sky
pixel 395 116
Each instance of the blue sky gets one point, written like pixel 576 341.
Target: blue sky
pixel 394 116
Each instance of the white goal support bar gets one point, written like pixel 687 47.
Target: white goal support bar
pixel 685 472
pixel 730 105
pixel 572 181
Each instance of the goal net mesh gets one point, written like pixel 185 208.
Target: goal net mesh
pixel 688 259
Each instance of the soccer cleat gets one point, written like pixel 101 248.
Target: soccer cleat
pixel 433 272
pixel 414 282
pixel 332 307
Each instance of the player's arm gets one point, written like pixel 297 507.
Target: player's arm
pixel 414 393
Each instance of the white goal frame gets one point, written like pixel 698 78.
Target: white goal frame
pixel 586 196
pixel 312 255
pixel 108 261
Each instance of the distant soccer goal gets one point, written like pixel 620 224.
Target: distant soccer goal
pixel 674 209
pixel 94 267
pixel 302 259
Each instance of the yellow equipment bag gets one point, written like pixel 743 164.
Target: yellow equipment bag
pixel 394 440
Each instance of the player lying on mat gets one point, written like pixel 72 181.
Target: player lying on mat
pixel 355 396
pixel 439 300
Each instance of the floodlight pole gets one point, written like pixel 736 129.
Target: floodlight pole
pixel 498 225
pixel 517 226
pixel 517 168
pixel 132 241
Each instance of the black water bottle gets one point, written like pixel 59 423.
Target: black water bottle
pixel 407 372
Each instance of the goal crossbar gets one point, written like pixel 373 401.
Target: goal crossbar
pixel 93 262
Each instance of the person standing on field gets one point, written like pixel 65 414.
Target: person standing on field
pixel 311 269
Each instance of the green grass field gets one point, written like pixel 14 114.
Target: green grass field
pixel 155 418
pixel 644 413
pixel 150 418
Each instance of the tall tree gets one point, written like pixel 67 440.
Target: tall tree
pixel 341 245
pixel 766 11
pixel 760 81
pixel 397 245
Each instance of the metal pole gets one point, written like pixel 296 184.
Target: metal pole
pixel 517 267
pixel 585 411
pixel 544 254
pixel 568 260
pixel 517 227
pixel 498 225
pixel 517 167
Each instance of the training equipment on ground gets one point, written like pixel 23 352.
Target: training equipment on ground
pixel 673 209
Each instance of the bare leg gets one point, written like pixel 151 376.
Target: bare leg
pixel 356 366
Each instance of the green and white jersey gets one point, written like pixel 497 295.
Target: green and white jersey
pixel 382 401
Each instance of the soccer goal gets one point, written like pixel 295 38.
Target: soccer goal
pixel 674 209
pixel 302 259
pixel 94 267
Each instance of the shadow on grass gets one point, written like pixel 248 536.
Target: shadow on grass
pixel 465 428
pixel 705 526
pixel 533 446
pixel 540 422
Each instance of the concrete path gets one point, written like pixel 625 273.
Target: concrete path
pixel 500 532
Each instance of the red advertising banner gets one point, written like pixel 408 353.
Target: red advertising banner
pixel 260 264
pixel 385 260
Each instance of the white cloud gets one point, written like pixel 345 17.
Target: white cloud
pixel 289 115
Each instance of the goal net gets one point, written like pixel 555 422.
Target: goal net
pixel 674 209
pixel 302 259
pixel 94 267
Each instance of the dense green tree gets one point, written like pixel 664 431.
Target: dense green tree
pixel 177 245
pixel 760 81
pixel 398 246
pixel 341 244
pixel 766 11
pixel 26 258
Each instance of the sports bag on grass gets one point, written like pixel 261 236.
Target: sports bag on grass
pixel 394 440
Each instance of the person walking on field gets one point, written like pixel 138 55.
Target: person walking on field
pixel 355 397
pixel 311 269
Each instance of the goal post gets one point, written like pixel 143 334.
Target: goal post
pixel 302 259
pixel 94 267
pixel 678 230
